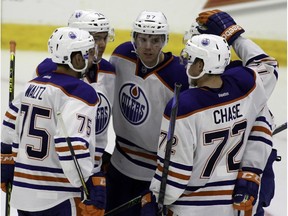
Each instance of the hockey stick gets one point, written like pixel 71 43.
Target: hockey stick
pixel 12 70
pixel 162 210
pixel 280 128
pixel 11 97
pixel 276 131
pixel 78 168
pixel 124 206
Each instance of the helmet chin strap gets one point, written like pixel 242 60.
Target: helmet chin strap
pixel 158 59
pixel 194 77
pixel 192 80
pixel 82 71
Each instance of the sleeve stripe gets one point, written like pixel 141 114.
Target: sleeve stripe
pixel 67 149
pixel 69 157
pixel 177 165
pixel 209 193
pixel 204 202
pixel 10 116
pixel 72 139
pixel 40 178
pixel 262 129
pixel 174 174
pixel 212 184
pixel 260 139
pixel 263 120
pixel 172 183
pixel 8 124
pixel 45 187
pixel 14 108
pixel 38 168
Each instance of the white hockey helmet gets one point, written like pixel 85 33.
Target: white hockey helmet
pixel 66 40
pixel 192 31
pixel 212 49
pixel 91 21
pixel 151 22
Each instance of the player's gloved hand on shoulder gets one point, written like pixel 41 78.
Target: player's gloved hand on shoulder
pixel 246 190
pixel 219 23
pixel 148 204
pixel 7 170
pixel 96 203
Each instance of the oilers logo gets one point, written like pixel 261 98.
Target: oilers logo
pixel 133 103
pixel 103 114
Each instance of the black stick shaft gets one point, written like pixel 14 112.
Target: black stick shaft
pixel 124 206
pixel 161 208
pixel 280 128
pixel 78 168
pixel 12 70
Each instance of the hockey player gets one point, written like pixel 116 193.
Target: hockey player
pixel 218 22
pixel 202 188
pixel 145 78
pixel 100 73
pixel 53 107
pixel 212 128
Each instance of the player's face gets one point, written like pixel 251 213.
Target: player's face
pixel 100 39
pixel 148 47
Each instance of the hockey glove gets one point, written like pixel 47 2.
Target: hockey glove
pixel 246 190
pixel 219 23
pixel 96 203
pixel 7 170
pixel 148 204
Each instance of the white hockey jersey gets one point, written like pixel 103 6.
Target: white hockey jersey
pixel 211 132
pixel 217 132
pixel 140 98
pixel 45 174
pixel 102 77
